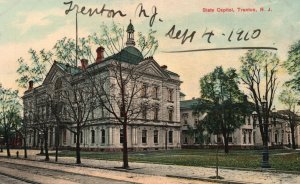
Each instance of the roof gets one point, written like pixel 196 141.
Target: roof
pixel 188 104
pixel 182 94
pixel 129 54
pixel 171 73
pixel 73 70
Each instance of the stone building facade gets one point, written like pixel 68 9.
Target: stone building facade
pixel 247 136
pixel 159 128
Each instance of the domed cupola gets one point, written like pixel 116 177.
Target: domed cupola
pixel 130 35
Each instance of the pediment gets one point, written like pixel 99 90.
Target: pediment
pixel 152 68
pixel 54 73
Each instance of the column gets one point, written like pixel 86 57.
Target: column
pixel 109 134
pixel 133 136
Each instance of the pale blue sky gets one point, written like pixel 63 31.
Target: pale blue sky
pixel 39 23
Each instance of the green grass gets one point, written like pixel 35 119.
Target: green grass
pixel 287 160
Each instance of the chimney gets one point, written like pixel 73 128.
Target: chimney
pixel 68 68
pixel 164 67
pixel 30 87
pixel 100 54
pixel 84 64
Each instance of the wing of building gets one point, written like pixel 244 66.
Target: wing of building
pixel 246 136
pixel 154 128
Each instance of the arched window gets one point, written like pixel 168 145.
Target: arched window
pixel 121 136
pixel 144 136
pixel 244 137
pixel 93 136
pixel 171 136
pixel 103 136
pixel 81 137
pixel 155 133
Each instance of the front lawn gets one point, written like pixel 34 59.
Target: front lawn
pixel 288 160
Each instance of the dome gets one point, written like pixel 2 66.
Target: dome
pixel 134 51
pixel 130 28
pixel 129 54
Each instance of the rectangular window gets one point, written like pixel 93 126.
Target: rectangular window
pixel 185 118
pixel 74 140
pixel 170 136
pixel 250 137
pixel 93 136
pixel 121 136
pixel 230 139
pixel 244 137
pixel 170 114
pixel 155 133
pixel 103 136
pixel 144 112
pixel 64 136
pixel 185 140
pixel 185 121
pixel 156 110
pixel 144 136
pixel 155 92
pixel 144 91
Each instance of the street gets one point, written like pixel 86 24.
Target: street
pixel 25 171
pixel 35 174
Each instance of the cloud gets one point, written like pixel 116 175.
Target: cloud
pixel 35 18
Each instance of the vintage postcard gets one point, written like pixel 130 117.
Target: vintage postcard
pixel 128 91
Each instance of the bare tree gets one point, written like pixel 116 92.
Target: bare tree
pixel 77 103
pixel 120 91
pixel 24 132
pixel 55 106
pixel 289 98
pixel 42 122
pixel 259 74
pixel 9 114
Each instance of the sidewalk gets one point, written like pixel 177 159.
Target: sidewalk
pixel 202 173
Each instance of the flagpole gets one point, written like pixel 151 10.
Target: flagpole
pixel 76 41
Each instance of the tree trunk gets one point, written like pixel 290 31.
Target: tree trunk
pixel 263 135
pixel 56 143
pixel 293 136
pixel 78 159
pixel 25 147
pixel 8 150
pixel 7 145
pixel 46 145
pixel 226 147
pixel 42 144
pixel 125 149
pixel 34 138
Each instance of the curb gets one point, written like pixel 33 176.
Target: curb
pixel 19 178
pixel 210 180
pixel 120 169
